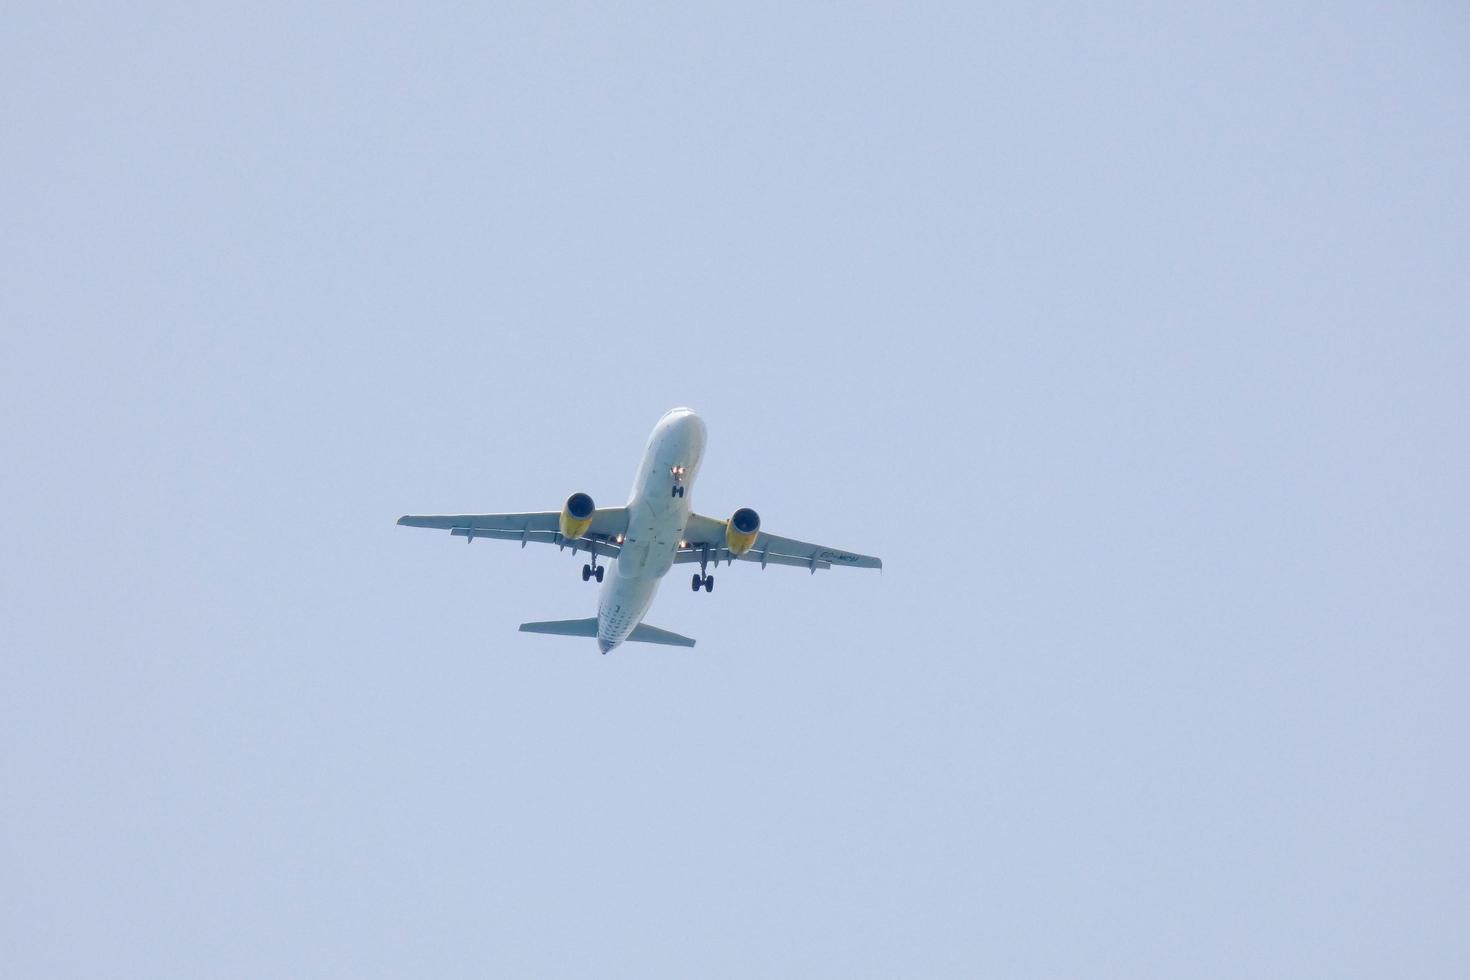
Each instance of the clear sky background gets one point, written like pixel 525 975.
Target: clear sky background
pixel 1133 339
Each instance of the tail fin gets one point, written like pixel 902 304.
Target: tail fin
pixel 563 627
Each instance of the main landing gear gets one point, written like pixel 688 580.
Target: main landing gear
pixel 700 578
pixel 593 570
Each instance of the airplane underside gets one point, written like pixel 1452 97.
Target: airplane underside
pixel 644 539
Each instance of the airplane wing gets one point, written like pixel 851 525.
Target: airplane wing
pixel 609 524
pixel 705 537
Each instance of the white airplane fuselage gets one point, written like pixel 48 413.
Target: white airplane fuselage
pixel 656 520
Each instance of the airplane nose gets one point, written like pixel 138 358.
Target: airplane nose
pixel 689 420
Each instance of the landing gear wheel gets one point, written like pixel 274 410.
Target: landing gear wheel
pixel 586 572
pixel 599 571
pixel 697 582
pixel 709 583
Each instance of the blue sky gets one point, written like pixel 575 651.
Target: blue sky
pixel 1132 338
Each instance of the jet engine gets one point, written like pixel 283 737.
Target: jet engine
pixel 576 516
pixel 741 531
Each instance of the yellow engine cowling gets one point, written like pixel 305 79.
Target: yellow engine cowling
pixel 576 516
pixel 742 530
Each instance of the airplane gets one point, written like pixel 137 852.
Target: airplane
pixel 653 532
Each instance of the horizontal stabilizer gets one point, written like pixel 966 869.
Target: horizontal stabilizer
pixel 563 627
pixel 643 633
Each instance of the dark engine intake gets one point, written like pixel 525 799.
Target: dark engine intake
pixel 741 530
pixel 576 516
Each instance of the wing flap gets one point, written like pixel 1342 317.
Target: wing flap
pixel 542 527
pixel 716 556
pixel 604 549
pixel 800 549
